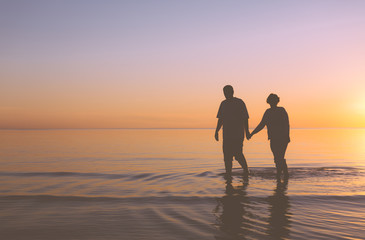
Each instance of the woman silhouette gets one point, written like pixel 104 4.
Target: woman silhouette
pixel 277 122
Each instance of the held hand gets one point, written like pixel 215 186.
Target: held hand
pixel 216 136
pixel 249 135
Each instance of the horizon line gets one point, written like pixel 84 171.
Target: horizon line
pixel 157 128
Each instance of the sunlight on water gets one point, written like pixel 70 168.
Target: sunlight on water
pixel 135 183
pixel 141 162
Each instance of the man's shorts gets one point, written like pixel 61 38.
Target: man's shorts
pixel 232 148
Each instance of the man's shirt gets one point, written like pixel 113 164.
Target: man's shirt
pixel 233 113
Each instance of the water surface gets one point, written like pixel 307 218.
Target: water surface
pixel 169 184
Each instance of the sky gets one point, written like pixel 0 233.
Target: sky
pixel 163 63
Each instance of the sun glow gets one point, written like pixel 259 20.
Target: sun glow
pixel 359 106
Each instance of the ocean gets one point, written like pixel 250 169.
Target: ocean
pixel 169 184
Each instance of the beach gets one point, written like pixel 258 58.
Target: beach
pixel 170 184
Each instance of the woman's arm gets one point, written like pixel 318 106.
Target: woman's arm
pixel 261 125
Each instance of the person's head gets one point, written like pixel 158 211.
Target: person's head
pixel 228 91
pixel 273 100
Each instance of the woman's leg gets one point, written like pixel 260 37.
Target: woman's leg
pixel 278 149
pixel 275 151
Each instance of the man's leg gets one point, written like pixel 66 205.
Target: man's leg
pixel 240 157
pixel 284 165
pixel 242 161
pixel 228 164
pixel 228 157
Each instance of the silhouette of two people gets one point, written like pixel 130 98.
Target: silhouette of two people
pixel 233 116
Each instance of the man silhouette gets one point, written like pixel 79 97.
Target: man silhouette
pixel 233 116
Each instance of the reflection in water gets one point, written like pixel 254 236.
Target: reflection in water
pixel 279 222
pixel 231 211
pixel 242 217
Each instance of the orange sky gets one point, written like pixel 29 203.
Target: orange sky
pixel 129 65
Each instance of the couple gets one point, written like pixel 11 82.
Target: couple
pixel 233 116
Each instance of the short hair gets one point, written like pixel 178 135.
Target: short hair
pixel 228 89
pixel 273 99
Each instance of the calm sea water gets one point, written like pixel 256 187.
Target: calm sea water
pixel 169 184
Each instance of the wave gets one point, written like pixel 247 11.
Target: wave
pixel 164 199
pixel 63 174
pixel 172 199
pixel 260 172
pixel 225 218
pixel 310 172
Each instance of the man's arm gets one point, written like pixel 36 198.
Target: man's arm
pixel 245 125
pixel 287 123
pixel 219 125
pixel 245 120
